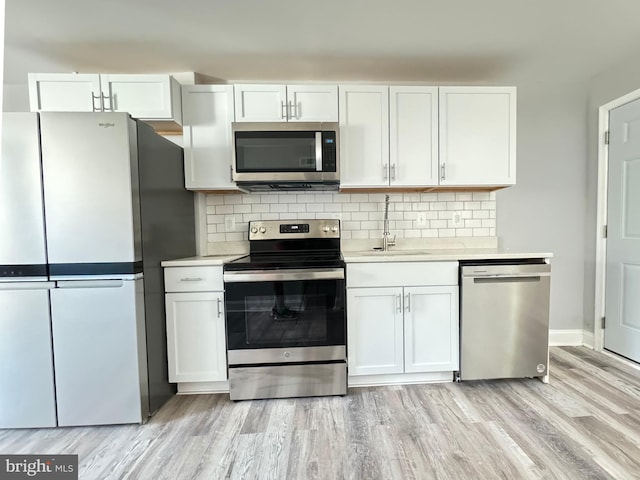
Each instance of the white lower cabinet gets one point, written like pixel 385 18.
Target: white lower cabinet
pixel 403 329
pixel 196 338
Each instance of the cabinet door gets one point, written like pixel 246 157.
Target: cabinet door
pixel 151 97
pixel 62 92
pixel 196 344
pixel 261 103
pixel 374 331
pixel 312 103
pixel 364 136
pixel 208 147
pixel 413 136
pixel 477 136
pixel 431 329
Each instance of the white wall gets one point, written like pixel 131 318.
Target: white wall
pixel 605 87
pixel 545 211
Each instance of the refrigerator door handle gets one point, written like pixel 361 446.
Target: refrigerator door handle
pixel 27 285
pixel 90 283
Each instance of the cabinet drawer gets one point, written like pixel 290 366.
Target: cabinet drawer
pixel 405 274
pixel 193 279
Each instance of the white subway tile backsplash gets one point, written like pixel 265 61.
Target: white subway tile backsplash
pixel 232 199
pixel 243 208
pixel 223 209
pixel 361 213
pixel 481 195
pixel 279 207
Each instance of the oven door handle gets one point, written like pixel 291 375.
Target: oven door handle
pixel 284 275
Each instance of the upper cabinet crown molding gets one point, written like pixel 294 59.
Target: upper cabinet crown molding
pixel 286 103
pixel 154 97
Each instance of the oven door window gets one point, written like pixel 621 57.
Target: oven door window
pixel 275 152
pixel 285 314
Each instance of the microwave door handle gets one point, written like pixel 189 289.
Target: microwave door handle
pixel 318 151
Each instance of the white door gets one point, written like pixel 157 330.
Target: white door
pixel 62 92
pixel 374 330
pixel 208 148
pixel 622 302
pixel 312 103
pixel 261 103
pixel 196 345
pixel 431 329
pixel 364 136
pixel 413 136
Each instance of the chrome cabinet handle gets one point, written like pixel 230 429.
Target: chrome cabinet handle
pixel 399 303
pixel 219 307
pixel 230 173
pixel 93 102
pixel 393 171
pixel 191 279
pixel 385 171
pixel 104 97
pixel 284 113
pixel 407 299
pixel 293 110
pixel 442 171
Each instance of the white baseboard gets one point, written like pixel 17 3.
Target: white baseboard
pixel 570 338
pixel 588 339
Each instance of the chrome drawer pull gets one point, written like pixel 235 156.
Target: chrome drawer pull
pixel 191 279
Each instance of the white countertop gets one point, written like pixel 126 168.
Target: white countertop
pixel 431 255
pixel 201 261
pixel 434 255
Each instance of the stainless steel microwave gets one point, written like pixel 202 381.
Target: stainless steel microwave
pixel 283 155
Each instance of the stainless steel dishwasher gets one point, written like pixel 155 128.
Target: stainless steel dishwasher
pixel 504 319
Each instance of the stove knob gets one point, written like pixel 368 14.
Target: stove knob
pixel 334 228
pixel 263 230
pixel 325 228
pixel 254 229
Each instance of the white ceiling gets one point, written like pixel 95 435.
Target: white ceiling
pixel 455 41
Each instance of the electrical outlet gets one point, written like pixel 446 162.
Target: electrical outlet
pixel 229 223
pixel 456 218
pixel 421 219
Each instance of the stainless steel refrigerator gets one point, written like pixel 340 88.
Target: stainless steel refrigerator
pixel 90 203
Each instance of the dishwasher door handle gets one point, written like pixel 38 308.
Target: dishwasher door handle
pixel 508 278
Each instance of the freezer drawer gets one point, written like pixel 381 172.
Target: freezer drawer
pixel 27 398
pixel 100 353
pixel 504 322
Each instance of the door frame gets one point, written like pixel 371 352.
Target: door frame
pixel 601 214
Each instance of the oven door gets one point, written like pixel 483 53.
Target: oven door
pixel 284 312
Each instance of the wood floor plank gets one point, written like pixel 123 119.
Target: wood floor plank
pixel 585 424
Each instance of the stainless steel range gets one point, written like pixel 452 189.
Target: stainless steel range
pixel 285 312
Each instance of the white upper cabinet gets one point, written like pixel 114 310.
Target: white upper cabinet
pixel 477 136
pixel 413 136
pixel 148 97
pixel 282 103
pixel 152 97
pixel 208 111
pixel 54 92
pixel 312 103
pixel 364 135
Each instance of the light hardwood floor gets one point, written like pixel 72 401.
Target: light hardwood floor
pixel 584 424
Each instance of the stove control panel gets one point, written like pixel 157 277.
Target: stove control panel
pixel 278 229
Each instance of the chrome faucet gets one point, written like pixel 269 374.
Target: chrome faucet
pixel 386 243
